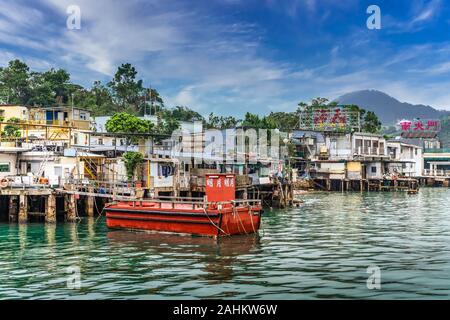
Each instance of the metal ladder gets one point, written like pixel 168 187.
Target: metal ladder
pixel 43 164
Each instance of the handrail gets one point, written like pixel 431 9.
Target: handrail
pixel 172 197
pixel 189 202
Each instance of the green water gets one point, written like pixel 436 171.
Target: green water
pixel 320 250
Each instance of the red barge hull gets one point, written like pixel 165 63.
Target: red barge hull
pixel 179 219
pixel 218 214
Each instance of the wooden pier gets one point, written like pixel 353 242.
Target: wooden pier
pixel 348 185
pixel 47 205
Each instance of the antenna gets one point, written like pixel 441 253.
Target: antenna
pixel 145 104
pixel 151 101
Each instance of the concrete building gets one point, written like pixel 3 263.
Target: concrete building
pixel 405 159
pixel 59 115
pixel 437 162
pixel 14 111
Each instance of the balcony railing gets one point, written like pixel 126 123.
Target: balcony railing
pixel 436 173
pixel 367 151
pixel 78 124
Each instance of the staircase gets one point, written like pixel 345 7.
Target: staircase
pixel 90 168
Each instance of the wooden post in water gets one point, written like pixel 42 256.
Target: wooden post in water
pixel 50 209
pixel 71 207
pixel 12 209
pixel 23 208
pixel 90 203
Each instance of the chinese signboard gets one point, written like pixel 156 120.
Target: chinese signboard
pixel 419 125
pixel 329 119
pixel 220 187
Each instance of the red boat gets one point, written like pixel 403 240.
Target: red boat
pixel 218 214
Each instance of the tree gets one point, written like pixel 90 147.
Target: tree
pixel 51 87
pixel 127 123
pixel 132 162
pixel 285 121
pixel 97 100
pixel 369 120
pixel 14 82
pixel 126 89
pixel 60 85
pixel 12 130
pixel 221 122
pixel 319 101
pixel 254 121
pixel 182 113
pixel 165 127
pixel 41 90
pixel 371 123
pixel 150 102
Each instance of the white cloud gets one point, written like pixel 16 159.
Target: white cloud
pixel 215 66
pixel 423 13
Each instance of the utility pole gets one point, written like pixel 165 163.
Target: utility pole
pixel 145 104
pixel 151 101
pixel 72 110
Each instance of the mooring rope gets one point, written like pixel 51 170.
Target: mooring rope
pixel 251 217
pixel 212 222
pixel 240 220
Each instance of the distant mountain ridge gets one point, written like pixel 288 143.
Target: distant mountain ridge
pixel 388 109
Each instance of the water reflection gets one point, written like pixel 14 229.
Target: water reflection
pixel 22 234
pixel 91 221
pixel 217 256
pixel 50 231
pixel 72 229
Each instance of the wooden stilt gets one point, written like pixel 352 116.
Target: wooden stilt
pixel 90 203
pixel 13 209
pixel 50 208
pixel 71 207
pixel 23 208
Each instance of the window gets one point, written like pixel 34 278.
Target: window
pixel 373 169
pixel 5 167
pixel 75 138
pixel 100 141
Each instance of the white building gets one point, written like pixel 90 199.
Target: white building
pixel 405 158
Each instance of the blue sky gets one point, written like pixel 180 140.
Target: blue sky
pixel 233 56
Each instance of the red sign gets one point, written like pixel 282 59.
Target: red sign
pixel 220 187
pixel 419 125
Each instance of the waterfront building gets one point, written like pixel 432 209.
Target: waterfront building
pixel 437 162
pixel 405 159
pixel 9 159
pixel 60 115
